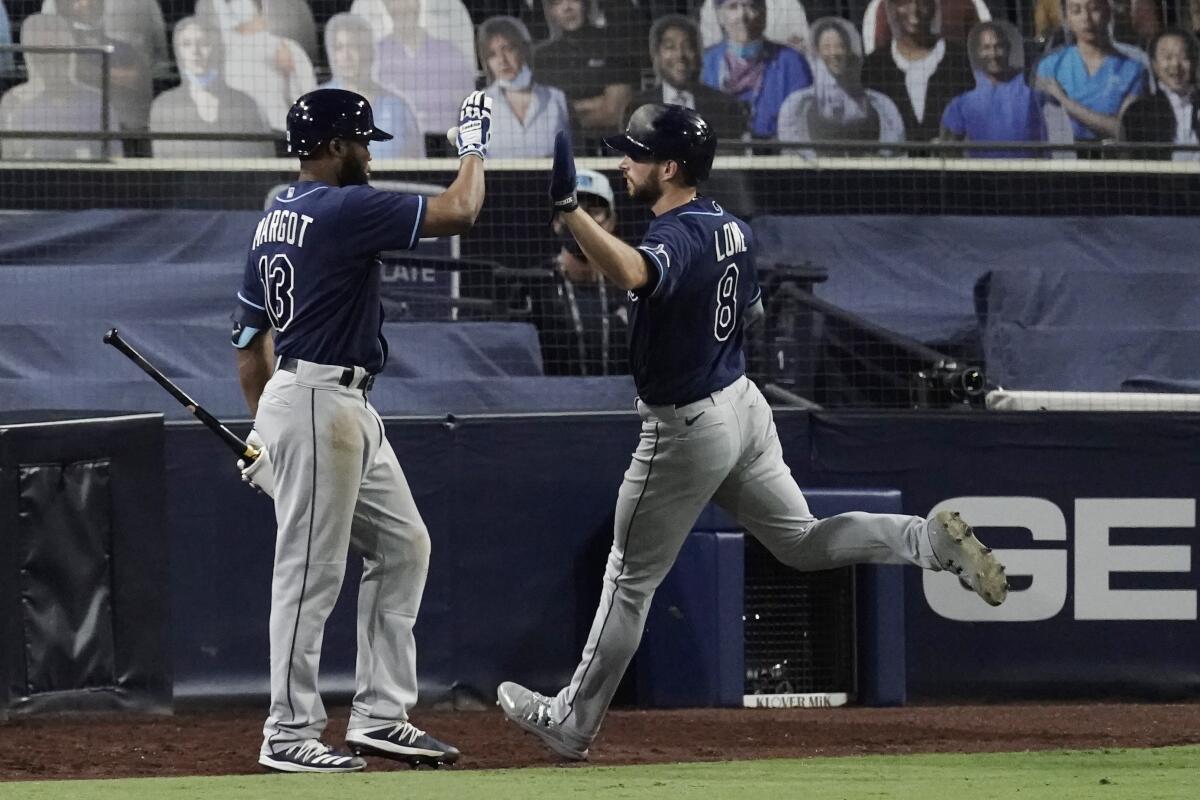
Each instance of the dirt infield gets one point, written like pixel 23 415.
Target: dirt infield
pixel 222 742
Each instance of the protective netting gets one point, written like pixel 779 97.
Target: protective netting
pixel 799 627
pixel 905 263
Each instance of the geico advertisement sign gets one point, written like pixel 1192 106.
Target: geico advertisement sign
pixel 1096 559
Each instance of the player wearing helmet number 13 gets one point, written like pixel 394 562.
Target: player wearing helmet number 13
pixel 707 433
pixel 308 328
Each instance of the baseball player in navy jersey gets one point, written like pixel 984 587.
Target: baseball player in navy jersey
pixel 309 338
pixel 707 432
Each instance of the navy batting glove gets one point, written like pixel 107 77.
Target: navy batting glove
pixel 562 176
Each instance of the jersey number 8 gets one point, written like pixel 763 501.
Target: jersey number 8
pixel 277 277
pixel 726 317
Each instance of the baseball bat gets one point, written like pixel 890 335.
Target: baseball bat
pixel 215 425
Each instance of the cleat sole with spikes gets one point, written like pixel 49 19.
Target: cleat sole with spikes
pixel 961 552
pixel 414 760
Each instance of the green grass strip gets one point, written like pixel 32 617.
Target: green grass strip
pixel 1150 774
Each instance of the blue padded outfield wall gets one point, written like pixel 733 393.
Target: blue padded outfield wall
pixel 1095 513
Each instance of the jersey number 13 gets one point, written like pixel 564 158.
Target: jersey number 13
pixel 277 276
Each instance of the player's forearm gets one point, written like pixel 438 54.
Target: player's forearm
pixel 455 210
pixel 619 262
pixel 254 369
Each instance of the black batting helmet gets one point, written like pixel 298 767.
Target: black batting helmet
pixel 328 114
pixel 662 132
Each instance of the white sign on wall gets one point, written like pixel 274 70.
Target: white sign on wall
pixel 1095 560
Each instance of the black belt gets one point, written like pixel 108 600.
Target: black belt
pixel 289 364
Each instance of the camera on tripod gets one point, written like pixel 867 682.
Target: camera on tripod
pixel 948 382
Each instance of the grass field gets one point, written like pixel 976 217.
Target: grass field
pixel 1150 774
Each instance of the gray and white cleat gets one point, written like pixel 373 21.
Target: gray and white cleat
pixel 310 755
pixel 401 741
pixel 958 550
pixel 531 711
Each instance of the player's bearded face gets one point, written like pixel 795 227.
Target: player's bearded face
pixel 643 182
pixel 353 169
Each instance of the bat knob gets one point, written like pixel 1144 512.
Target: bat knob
pixel 112 334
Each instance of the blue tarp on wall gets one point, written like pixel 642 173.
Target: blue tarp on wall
pixel 1089 331
pixel 167 280
pixel 917 275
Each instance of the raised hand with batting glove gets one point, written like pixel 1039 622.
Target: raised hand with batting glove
pixel 562 176
pixel 258 473
pixel 473 133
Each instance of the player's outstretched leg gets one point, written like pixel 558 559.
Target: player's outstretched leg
pixel 764 498
pixel 942 542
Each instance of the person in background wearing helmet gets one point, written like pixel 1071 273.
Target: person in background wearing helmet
pixel 582 318
pixel 308 328
pixel 707 432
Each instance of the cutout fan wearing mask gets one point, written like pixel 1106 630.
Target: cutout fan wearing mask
pixel 526 114
pixel 204 103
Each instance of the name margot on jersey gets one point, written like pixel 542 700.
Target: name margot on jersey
pixel 282 226
pixel 735 242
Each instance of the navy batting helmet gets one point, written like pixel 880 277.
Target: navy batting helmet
pixel 661 132
pixel 328 114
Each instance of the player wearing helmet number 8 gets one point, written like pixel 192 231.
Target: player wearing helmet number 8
pixel 707 432
pixel 308 328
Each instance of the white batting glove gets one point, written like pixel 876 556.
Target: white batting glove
pixel 258 473
pixel 473 133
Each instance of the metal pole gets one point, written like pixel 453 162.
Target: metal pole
pixel 105 97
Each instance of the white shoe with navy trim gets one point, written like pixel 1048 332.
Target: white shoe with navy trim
pixel 311 755
pixel 401 741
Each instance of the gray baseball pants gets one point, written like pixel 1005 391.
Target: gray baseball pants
pixel 729 453
pixel 337 484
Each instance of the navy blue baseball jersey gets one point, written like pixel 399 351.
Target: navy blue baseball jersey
pixel 313 271
pixel 686 324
